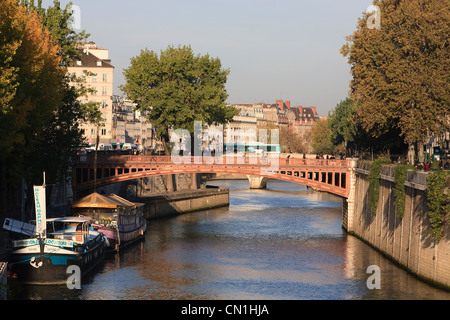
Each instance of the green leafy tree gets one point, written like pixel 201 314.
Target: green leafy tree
pixel 342 123
pixel 178 88
pixel 347 134
pixel 401 80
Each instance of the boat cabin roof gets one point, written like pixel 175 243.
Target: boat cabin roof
pixel 96 200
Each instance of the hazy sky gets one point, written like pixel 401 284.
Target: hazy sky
pixel 285 49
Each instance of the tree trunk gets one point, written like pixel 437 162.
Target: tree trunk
pixel 411 153
pixel 169 181
pixel 420 152
pixel 2 188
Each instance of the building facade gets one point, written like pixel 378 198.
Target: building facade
pixel 298 121
pixel 244 125
pixel 122 123
pixel 130 126
pixel 96 69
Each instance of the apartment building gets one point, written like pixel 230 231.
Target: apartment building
pixel 299 120
pixel 122 123
pixel 95 67
pixel 244 125
pixel 130 126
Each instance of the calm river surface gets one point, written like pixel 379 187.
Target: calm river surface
pixel 282 243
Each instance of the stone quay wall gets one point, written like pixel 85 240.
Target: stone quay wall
pixel 180 202
pixel 406 240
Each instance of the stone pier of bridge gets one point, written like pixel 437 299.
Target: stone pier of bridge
pixel 257 182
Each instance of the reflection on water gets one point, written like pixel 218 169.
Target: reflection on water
pixel 282 243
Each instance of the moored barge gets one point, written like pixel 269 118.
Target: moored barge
pixel 121 221
pixel 50 251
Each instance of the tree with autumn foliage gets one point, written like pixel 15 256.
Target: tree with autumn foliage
pixel 39 110
pixel 32 81
pixel 58 21
pixel 401 78
pixel 292 142
pixel 31 77
pixel 321 138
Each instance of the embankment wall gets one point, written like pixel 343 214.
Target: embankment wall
pixel 174 203
pixel 405 240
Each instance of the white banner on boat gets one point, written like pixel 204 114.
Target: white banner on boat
pixel 39 200
pixel 32 242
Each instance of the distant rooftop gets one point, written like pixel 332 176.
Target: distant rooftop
pixel 89 60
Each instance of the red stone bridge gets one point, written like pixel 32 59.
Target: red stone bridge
pixel 327 175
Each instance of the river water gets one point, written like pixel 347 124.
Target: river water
pixel 282 243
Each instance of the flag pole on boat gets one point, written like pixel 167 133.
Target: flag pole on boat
pixel 40 207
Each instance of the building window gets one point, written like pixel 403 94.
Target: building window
pixel 79 63
pixel 99 63
pixel 92 132
pixel 104 91
pixel 105 77
pixel 103 104
pixel 94 78
pixel 103 132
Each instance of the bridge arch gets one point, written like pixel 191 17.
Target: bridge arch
pixel 327 175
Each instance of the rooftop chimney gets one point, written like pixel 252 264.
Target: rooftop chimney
pixel 288 104
pixel 280 103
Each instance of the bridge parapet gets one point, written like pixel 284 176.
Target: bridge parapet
pixel 226 159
